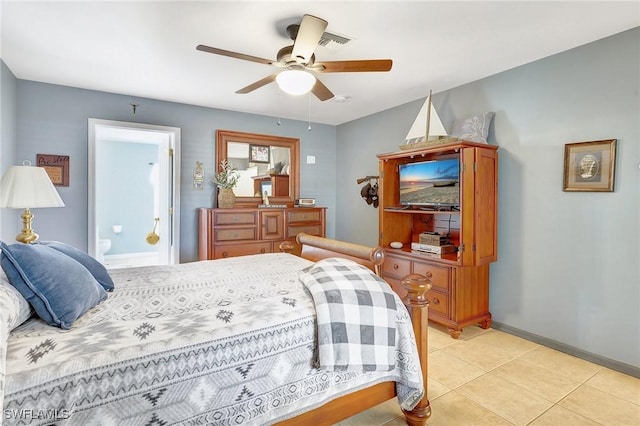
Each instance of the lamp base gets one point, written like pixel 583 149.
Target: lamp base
pixel 27 235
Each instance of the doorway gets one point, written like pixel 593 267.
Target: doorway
pixel 133 193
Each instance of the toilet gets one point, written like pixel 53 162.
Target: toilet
pixel 103 247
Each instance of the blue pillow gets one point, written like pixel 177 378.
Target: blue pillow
pixel 58 287
pixel 96 268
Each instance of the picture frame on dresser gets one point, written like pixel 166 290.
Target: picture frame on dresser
pixel 590 166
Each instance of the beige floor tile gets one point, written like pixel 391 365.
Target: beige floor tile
pixel 538 380
pixel 378 415
pixel 451 371
pixel 508 400
pixel 512 345
pixel 436 389
pixel 454 409
pixel 601 407
pixel 472 331
pixel 439 338
pixel 479 353
pixel 617 384
pixel 558 416
pixel 561 363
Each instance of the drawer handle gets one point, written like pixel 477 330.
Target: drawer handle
pixel 235 235
pixel 225 254
pixel 436 301
pixel 262 250
pixel 429 274
pixel 236 218
pixel 396 266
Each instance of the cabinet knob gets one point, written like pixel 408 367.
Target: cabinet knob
pixel 429 274
pixel 396 266
pixel 436 301
pixel 225 254
pixel 262 250
pixel 236 218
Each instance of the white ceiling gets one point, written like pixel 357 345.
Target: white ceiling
pixel 148 49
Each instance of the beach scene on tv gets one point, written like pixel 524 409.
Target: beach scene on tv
pixel 430 183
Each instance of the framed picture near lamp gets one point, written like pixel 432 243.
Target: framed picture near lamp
pixel 590 166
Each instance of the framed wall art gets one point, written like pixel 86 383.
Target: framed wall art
pixel 259 153
pixel 56 166
pixel 590 166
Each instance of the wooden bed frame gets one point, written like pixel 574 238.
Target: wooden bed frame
pixel 316 248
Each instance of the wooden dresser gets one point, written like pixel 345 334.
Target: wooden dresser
pixel 243 231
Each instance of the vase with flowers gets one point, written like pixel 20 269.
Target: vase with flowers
pixel 226 180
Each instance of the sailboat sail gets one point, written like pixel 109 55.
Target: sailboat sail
pixel 426 116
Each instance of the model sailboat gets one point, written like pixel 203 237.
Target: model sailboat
pixel 427 127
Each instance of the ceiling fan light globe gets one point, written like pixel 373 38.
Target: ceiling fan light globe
pixel 295 82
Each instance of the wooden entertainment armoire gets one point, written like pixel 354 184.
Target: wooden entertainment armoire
pixel 459 295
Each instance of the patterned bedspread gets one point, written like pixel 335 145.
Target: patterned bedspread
pixel 221 342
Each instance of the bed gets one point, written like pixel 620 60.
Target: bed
pixel 221 342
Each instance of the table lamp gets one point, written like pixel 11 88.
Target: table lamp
pixel 26 187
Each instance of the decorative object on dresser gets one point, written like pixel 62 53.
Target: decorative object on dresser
pixel 244 231
pixel 589 166
pixel 460 278
pixel 226 180
pixel 427 129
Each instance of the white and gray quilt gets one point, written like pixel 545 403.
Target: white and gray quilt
pixel 222 342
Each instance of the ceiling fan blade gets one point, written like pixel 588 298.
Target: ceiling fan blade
pixel 258 84
pixel 231 54
pixel 366 65
pixel 321 91
pixel 309 34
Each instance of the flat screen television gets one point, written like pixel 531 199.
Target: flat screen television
pixel 434 183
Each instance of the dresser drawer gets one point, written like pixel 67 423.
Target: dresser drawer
pixel 396 267
pixel 438 302
pixel 233 250
pixel 234 234
pixel 438 275
pixel 293 230
pixel 235 218
pixel 303 215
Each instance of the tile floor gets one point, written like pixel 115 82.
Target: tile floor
pixel 492 378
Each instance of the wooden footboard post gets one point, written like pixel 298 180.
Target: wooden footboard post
pixel 417 305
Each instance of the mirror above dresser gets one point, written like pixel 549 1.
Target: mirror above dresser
pixel 265 163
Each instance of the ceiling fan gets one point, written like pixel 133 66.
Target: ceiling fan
pixel 298 61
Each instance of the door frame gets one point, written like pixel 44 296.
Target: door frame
pixel 172 255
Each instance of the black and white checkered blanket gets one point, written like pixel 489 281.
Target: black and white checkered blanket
pixel 356 315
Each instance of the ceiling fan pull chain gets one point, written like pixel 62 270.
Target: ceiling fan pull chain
pixel 309 97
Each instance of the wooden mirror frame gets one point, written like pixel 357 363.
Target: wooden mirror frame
pixel 223 137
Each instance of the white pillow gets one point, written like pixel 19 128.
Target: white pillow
pixel 473 129
pixel 13 307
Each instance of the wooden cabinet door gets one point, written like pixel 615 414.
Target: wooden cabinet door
pixel 479 206
pixel 271 225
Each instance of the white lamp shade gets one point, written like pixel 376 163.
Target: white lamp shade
pixel 295 82
pixel 26 187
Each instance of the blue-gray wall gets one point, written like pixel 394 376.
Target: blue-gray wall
pixel 568 263
pixel 52 119
pixel 10 223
